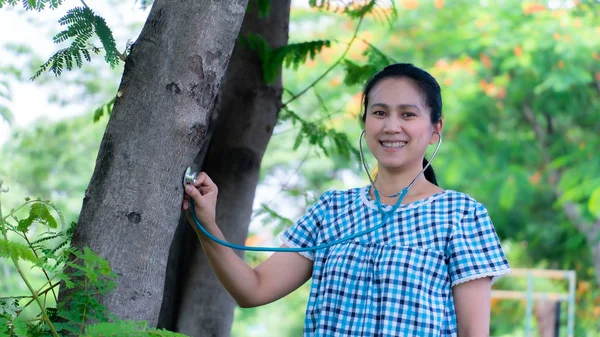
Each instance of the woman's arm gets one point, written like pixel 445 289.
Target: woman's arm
pixel 279 275
pixel 472 306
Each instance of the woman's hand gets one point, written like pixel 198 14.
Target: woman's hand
pixel 204 195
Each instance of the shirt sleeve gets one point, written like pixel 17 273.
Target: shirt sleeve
pixel 474 250
pixel 306 230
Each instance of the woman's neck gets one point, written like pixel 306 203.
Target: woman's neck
pixel 389 183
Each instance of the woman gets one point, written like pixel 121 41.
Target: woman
pixel 426 272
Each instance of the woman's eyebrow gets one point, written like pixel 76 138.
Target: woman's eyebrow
pixel 401 106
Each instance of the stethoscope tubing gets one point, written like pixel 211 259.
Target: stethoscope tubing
pixel 303 249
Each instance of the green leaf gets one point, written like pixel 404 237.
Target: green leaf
pixel 9 249
pixel 508 193
pixel 104 109
pixel 291 55
pixel 9 2
pixel 38 213
pixel 264 8
pixel 356 74
pixel 81 23
pixel 33 4
pixel 20 327
pixel 107 40
pixel 594 203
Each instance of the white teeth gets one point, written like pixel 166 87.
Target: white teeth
pixel 393 144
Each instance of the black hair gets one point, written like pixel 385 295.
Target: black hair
pixel 430 90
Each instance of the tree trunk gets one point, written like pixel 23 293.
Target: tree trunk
pixel 248 110
pixel 545 315
pixel 132 204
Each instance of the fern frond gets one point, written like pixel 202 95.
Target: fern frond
pixel 51 236
pixel 80 31
pixel 7 2
pixel 81 24
pixel 376 57
pixel 37 5
pixel 317 134
pixel 291 55
pixel 57 62
pixel 9 249
pixel 108 41
pixel 356 74
pixel 296 53
pixel 77 15
pixel 38 213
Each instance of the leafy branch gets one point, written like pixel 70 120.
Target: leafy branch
pixel 37 5
pixel 82 23
pixel 319 135
pixel 359 8
pixel 291 55
pixel 332 66
pixel 5 249
pixel 89 275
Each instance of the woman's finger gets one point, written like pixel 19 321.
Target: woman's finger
pixel 192 192
pixel 203 180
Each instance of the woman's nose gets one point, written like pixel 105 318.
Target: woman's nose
pixel 392 124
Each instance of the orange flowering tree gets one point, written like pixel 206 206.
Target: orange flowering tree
pixel 521 86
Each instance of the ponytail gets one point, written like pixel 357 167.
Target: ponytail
pixel 429 174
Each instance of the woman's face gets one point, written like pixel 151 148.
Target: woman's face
pixel 398 126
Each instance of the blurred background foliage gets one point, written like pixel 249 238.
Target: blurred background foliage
pixel 521 90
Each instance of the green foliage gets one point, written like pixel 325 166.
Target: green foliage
pixel 37 5
pixel 291 55
pixel 359 8
pixel 145 3
pixel 360 74
pixel 272 216
pixel 264 8
pixel 61 154
pixel 594 203
pixel 5 95
pixel 82 24
pixel 126 328
pixel 85 275
pixel 16 250
pixel 327 139
pixel 104 109
pixel 39 213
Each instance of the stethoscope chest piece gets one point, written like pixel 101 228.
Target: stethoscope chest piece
pixel 189 177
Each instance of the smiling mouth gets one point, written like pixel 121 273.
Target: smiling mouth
pixel 393 145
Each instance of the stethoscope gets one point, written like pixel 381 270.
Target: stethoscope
pixel 190 178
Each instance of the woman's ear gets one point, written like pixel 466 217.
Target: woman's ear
pixel 437 131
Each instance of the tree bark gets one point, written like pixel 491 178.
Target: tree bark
pixel 248 109
pixel 545 314
pixel 159 121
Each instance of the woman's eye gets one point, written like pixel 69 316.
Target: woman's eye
pixel 379 113
pixel 408 114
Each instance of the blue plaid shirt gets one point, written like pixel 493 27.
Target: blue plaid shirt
pixel 397 280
